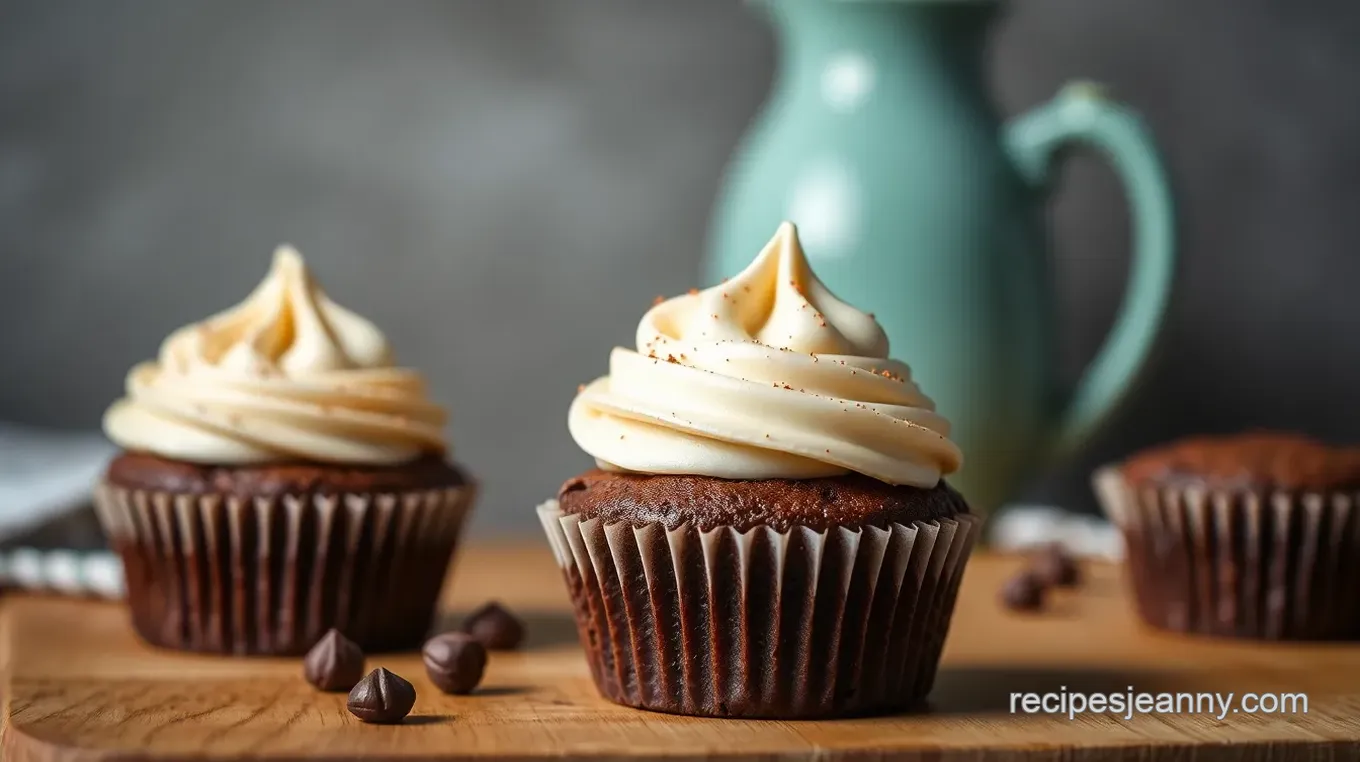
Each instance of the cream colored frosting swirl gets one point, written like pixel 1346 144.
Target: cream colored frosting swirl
pixel 285 375
pixel 766 376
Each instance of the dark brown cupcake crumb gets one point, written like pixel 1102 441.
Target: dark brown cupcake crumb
pixel 1023 592
pixel 707 502
pixel 495 627
pixel 144 471
pixel 1259 460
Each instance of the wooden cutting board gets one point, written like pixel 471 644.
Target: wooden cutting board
pixel 81 687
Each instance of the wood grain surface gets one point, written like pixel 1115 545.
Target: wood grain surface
pixel 81 687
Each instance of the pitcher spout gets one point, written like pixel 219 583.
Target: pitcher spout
pixel 941 38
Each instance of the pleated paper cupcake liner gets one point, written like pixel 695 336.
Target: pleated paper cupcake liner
pixel 269 576
pixel 796 624
pixel 1277 566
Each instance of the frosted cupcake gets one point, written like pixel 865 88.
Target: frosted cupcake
pixel 767 533
pixel 280 477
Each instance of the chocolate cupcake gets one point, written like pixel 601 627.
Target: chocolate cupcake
pixel 1254 536
pixel 280 477
pixel 767 533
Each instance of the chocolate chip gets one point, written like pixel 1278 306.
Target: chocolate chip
pixel 454 661
pixel 496 628
pixel 1055 566
pixel 382 697
pixel 1023 592
pixel 335 663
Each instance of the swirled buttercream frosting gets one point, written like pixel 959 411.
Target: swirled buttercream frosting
pixel 286 375
pixel 765 376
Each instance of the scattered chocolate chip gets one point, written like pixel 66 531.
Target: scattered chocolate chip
pixel 335 663
pixel 1023 592
pixel 454 661
pixel 496 628
pixel 1055 566
pixel 382 697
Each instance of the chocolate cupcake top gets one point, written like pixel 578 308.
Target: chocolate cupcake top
pixel 1252 461
pixel 765 376
pixel 781 504
pixel 144 471
pixel 286 375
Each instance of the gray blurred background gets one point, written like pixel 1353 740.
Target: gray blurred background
pixel 504 186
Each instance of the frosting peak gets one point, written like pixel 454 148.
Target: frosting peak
pixel 767 375
pixel 777 301
pixel 286 327
pixel 287 374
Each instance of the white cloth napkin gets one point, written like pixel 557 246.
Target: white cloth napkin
pixel 1025 527
pixel 46 476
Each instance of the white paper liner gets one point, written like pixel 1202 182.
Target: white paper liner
pixel 271 575
pixel 762 623
pixel 1280 566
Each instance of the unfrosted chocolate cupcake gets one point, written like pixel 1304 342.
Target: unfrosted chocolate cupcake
pixel 1255 535
pixel 280 477
pixel 768 533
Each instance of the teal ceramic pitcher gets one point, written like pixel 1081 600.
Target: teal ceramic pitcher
pixel 915 201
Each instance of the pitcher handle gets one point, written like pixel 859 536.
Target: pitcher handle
pixel 1081 115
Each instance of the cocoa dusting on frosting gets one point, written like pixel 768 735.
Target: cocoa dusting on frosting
pixel 1254 460
pixel 736 371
